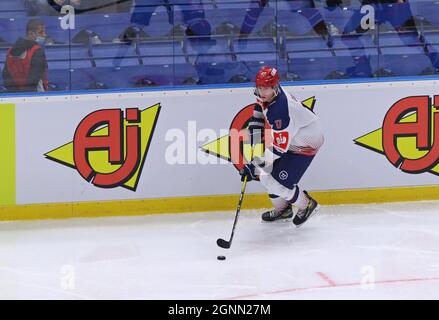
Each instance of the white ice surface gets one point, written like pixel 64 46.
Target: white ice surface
pixel 386 251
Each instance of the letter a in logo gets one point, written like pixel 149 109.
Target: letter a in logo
pixel 84 142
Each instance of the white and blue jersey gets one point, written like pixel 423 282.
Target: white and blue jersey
pixel 297 137
pixel 294 128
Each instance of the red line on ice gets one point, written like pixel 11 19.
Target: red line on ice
pixel 326 279
pixel 332 285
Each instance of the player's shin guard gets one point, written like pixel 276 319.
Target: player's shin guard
pixel 299 198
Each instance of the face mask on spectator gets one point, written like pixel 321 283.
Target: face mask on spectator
pixel 40 40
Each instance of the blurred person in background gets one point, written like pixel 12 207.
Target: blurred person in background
pixel 26 65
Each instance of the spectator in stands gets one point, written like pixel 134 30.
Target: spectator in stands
pixel 26 65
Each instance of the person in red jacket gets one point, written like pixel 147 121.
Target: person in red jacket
pixel 26 65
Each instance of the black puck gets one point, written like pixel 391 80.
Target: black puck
pixel 221 258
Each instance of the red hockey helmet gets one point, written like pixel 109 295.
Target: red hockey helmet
pixel 267 77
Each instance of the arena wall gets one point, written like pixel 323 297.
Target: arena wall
pixel 55 161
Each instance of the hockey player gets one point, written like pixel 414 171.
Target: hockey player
pixel 296 139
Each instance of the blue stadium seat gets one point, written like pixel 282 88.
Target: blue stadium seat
pixel 404 61
pixel 218 68
pixel 311 65
pixel 161 52
pixel 309 57
pixel 403 53
pixel 54 30
pixel 235 13
pixel 344 19
pixel 394 15
pixel 158 25
pixel 2 89
pixel 431 37
pixel 75 74
pixel 16 14
pixel 254 61
pixel 12 5
pixel 293 5
pixel 426 10
pixel 57 52
pixel 156 48
pixel 3 53
pixel 114 50
pixel 114 70
pixel 160 2
pixel 117 63
pixel 82 74
pixel 167 74
pixel 299 22
pixel 187 14
pixel 139 3
pixel 212 58
pixel 253 45
pixel 355 55
pixel 165 62
pixel 207 45
pixel 12 28
pixel 304 44
pixel 107 26
pixel 356 63
pixel 399 39
pixel 231 1
pixel 156 21
pixel 66 52
pixel 114 78
pixel 353 41
pixel 255 52
pixel 59 74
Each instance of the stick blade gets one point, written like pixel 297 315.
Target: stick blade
pixel 223 243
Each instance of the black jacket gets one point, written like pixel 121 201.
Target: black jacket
pixel 37 68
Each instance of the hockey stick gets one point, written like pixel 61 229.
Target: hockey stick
pixel 221 242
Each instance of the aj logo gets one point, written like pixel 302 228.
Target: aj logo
pixel 236 147
pixel 409 137
pixel 109 150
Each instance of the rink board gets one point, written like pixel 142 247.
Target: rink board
pixel 42 176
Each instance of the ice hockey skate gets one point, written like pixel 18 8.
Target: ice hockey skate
pixel 304 215
pixel 278 215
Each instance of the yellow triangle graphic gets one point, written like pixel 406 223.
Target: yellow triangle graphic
pixel 372 140
pixel 309 103
pixel 219 147
pixel 99 159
